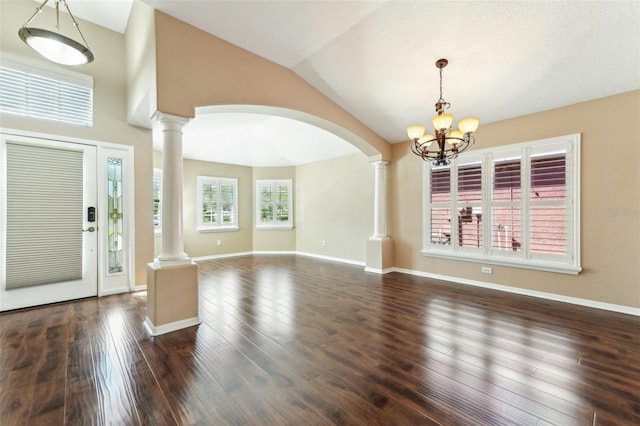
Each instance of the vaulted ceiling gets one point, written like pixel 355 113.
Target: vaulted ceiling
pixel 376 58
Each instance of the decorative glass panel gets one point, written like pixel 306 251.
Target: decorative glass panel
pixel 115 243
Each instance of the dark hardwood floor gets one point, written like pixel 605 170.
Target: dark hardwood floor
pixel 299 341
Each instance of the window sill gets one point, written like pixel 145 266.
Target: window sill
pixel 218 229
pixel 537 265
pixel 274 227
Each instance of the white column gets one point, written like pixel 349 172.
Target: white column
pixel 169 129
pixel 380 200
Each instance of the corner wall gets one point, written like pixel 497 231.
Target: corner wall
pixel 334 203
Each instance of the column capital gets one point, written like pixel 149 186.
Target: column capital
pixel 164 121
pixel 380 164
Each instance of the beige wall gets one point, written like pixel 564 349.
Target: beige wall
pixel 110 121
pixel 334 203
pixel 610 207
pixel 274 239
pixel 195 68
pixel 196 243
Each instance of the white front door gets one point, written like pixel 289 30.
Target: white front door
pixel 48 221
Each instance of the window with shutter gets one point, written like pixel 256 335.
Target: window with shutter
pixel 523 212
pixel 274 204
pixel 217 203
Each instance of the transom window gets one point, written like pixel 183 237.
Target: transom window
pixel 273 203
pixel 31 89
pixel 516 206
pixel 217 203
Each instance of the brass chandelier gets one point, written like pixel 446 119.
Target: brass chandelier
pixel 446 144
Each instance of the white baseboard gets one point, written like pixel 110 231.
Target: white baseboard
pixel 172 326
pixel 526 292
pixel 330 258
pixel 378 270
pixel 299 253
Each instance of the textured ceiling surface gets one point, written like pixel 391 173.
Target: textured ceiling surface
pixel 376 58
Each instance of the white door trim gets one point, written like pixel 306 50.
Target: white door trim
pixel 104 149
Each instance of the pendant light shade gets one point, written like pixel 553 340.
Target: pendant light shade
pixel 53 45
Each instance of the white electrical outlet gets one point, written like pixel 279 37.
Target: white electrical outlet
pixel 322 242
pixel 487 270
pixel 219 242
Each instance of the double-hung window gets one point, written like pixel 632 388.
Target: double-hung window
pixel 273 204
pixel 217 204
pixel 516 206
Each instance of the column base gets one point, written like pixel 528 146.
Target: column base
pixel 172 297
pixel 379 255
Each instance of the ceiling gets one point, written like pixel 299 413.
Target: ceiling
pixel 376 58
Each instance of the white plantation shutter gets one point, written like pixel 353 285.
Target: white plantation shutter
pixel 274 203
pixel 516 205
pixel 506 205
pixel 469 232
pixel 44 233
pixel 36 92
pixel 440 205
pixel 548 204
pixel 217 203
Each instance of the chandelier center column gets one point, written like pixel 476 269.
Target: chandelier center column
pixel 169 129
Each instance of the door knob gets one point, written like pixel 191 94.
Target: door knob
pixel 89 229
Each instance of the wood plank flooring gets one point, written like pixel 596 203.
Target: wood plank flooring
pixel 289 340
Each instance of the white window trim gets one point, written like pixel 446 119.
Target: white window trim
pixel 216 228
pixel 571 265
pixel 273 225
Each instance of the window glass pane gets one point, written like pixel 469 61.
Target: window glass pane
pixel 506 230
pixel 209 204
pixel 548 229
pixel 266 207
pixel 227 198
pixel 440 185
pixel 282 203
pixel 441 225
pixel 506 180
pixel 469 227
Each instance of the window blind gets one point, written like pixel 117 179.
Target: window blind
pixel 44 215
pixel 34 95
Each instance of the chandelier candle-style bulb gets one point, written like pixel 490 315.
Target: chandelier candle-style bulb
pixel 450 143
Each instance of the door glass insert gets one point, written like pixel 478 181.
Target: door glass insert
pixel 115 246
